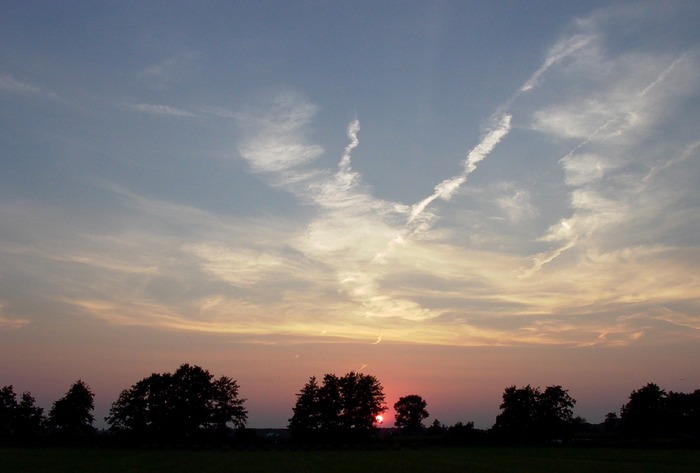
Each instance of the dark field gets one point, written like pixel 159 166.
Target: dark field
pixel 473 460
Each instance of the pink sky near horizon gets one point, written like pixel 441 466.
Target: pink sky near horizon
pixel 454 197
pixel 459 383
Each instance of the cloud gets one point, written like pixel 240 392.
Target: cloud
pixel 580 230
pixel 515 203
pixel 12 86
pixel 446 189
pixel 584 168
pixel 244 267
pixel 165 73
pixel 564 48
pixel 621 99
pixel 161 110
pixel 279 141
pixel 8 323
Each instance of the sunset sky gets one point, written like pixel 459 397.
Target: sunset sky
pixel 453 196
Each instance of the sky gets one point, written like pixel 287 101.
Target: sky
pixel 452 196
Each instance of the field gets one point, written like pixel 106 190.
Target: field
pixel 473 460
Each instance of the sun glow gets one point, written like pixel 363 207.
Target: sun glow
pixel 379 419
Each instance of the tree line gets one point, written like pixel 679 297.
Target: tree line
pixel 191 406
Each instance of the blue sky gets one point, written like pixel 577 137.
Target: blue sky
pixel 483 186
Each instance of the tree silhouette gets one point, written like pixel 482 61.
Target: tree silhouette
pixel 683 412
pixel 518 411
pixel 363 401
pixel 8 409
pixel 21 420
pixel 344 407
pixel 555 414
pixel 29 418
pixel 226 407
pixel 645 412
pixel 612 422
pixel 307 410
pixel 72 414
pixel 410 413
pixel 437 428
pixel 528 413
pixel 178 405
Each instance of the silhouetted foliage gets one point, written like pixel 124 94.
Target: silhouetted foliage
pixel 226 408
pixel 651 412
pixel 519 411
pixel 645 412
pixel 342 408
pixel 529 414
pixel 555 412
pixel 178 406
pixel 19 421
pixel 29 418
pixel 72 414
pixel 437 428
pixel 683 412
pixel 8 408
pixel 410 413
pixel 611 424
pixel 307 411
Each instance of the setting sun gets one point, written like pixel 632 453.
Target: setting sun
pixel 379 419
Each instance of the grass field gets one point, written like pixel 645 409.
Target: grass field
pixel 473 460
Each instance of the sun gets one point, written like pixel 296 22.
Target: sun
pixel 379 419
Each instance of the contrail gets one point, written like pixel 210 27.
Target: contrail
pixel 353 129
pixel 659 79
pixel 662 77
pixel 446 189
pixel 540 260
pixel 558 52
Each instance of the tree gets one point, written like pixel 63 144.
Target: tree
pixel 611 422
pixel 29 418
pixel 410 413
pixel 8 408
pixel 22 420
pixel 341 407
pixel 141 408
pixel 190 393
pixel 518 411
pixel 555 414
pixel 72 414
pixel 307 410
pixel 645 412
pixel 362 401
pixel 530 413
pixel 683 412
pixel 330 403
pixel 437 428
pixel 226 407
pixel 178 405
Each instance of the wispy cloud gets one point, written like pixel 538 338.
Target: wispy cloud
pixel 12 86
pixel 564 48
pixel 279 142
pixel 446 189
pixel 624 97
pixel 9 323
pixel 166 72
pixel 167 110
pixel 549 233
